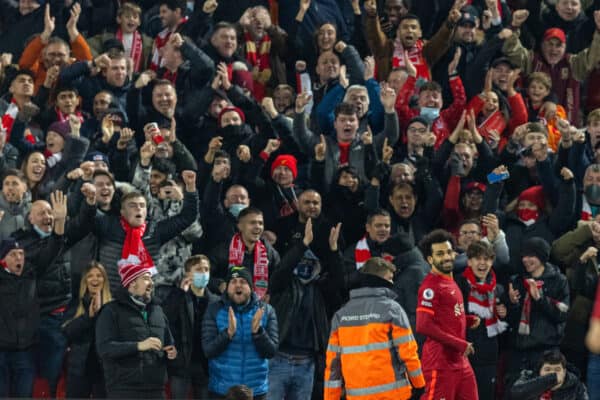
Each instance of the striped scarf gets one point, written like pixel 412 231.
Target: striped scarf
pixel 524 324
pixel 362 253
pixel 260 275
pixel 258 58
pixel 482 302
pixel 136 48
pixel 415 55
pixel 160 41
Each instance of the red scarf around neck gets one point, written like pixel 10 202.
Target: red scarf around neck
pixel 482 302
pixel 136 48
pixel 60 116
pixel 259 59
pixel 260 275
pixel 133 244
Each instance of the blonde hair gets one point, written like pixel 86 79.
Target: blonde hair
pixel 129 8
pixel 540 77
pixel 106 295
pixel 594 115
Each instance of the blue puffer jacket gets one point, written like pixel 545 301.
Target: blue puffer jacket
pixel 243 359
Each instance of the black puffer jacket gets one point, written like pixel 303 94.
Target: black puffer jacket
pixel 119 328
pixel 19 305
pixel 547 321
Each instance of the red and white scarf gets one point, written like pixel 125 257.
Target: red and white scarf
pixel 159 42
pixel 587 214
pixel 259 58
pixel 60 116
pixel 482 302
pixel 260 275
pixel 8 118
pixel 524 324
pixel 134 245
pixel 415 55
pixel 136 48
pixel 362 253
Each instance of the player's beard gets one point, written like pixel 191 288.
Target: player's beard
pixel 445 267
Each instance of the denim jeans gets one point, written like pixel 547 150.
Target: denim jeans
pixel 51 349
pixel 290 378
pixel 593 376
pixel 16 373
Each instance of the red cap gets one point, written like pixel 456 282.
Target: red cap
pixel 534 194
pixel 555 33
pixel 231 108
pixel 475 186
pixel 287 160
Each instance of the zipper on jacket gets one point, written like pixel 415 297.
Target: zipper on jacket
pixel 243 337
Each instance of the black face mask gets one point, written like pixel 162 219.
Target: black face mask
pixel 231 132
pixel 592 194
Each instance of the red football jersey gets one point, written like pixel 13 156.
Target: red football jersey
pixel 441 318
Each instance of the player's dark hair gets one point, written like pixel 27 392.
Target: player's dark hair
pixel 434 237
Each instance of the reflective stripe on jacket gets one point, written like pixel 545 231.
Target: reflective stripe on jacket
pixel 372 352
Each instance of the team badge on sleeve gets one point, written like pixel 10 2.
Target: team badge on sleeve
pixel 428 294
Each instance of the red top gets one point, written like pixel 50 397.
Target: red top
pixel 344 153
pixel 441 317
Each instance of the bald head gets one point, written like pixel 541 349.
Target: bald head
pixel 41 216
pixel 309 205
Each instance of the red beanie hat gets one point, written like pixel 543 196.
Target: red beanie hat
pixel 287 160
pixel 534 194
pixel 231 108
pixel 132 268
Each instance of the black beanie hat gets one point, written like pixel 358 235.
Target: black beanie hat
pixel 239 271
pixel 7 245
pixel 536 247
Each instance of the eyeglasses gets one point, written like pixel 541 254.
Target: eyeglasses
pixel 417 130
pixel 469 233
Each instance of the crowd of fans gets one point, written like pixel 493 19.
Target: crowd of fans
pixel 296 199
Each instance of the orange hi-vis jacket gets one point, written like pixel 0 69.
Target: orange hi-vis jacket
pixel 372 353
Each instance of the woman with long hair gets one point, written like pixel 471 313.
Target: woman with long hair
pixel 84 373
pixel 34 169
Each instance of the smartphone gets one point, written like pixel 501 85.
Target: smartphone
pixel 495 178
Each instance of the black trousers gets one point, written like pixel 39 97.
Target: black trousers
pixel 81 387
pixel 486 381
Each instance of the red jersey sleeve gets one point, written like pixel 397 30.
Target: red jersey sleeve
pixel 431 324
